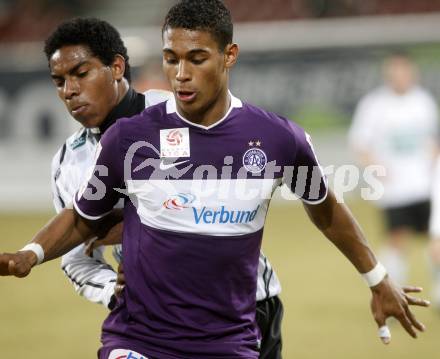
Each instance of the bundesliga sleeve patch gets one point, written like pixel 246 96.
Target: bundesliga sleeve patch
pixel 174 143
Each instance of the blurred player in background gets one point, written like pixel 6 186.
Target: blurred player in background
pixel 434 232
pixel 395 126
pixel 190 268
pixel 77 51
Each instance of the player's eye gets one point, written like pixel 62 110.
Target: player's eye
pixel 198 61
pixel 82 74
pixel 59 82
pixel 171 61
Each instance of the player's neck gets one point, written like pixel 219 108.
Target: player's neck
pixel 123 87
pixel 212 113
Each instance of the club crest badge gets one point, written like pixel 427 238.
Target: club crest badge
pixel 254 160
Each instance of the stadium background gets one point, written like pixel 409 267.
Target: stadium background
pixel 310 60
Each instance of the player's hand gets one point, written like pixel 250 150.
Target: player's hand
pixel 17 264
pixel 114 236
pixel 390 300
pixel 120 281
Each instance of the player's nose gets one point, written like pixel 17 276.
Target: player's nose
pixel 183 73
pixel 71 88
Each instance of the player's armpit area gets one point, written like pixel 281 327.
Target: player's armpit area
pixel 101 227
pixel 112 237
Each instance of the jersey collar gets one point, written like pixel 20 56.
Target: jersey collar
pixel 172 108
pixel 131 104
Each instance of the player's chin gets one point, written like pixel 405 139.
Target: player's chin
pixel 87 121
pixel 187 106
pixel 190 107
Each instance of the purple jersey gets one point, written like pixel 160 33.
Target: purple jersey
pixel 193 223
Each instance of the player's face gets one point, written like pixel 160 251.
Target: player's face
pixel 400 74
pixel 197 69
pixel 88 88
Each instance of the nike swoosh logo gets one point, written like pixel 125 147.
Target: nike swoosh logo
pixel 163 166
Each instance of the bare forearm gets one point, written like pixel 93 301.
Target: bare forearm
pixel 63 232
pixel 347 236
pixel 339 226
pixel 68 229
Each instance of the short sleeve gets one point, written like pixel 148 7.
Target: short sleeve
pixel 305 176
pixel 102 188
pixel 58 201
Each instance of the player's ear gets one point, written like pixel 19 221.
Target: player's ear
pixel 118 67
pixel 231 55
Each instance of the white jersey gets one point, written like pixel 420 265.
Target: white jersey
pixel 434 219
pixel 399 131
pixel 92 277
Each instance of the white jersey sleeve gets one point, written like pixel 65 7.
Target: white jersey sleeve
pixel 92 277
pixel 268 284
pixel 58 200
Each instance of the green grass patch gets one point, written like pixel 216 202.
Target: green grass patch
pixel 326 303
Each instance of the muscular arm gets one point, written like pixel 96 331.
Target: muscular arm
pixel 338 225
pixel 336 222
pixel 62 233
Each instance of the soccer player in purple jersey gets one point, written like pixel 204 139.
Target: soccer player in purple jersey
pixel 199 171
pixel 77 50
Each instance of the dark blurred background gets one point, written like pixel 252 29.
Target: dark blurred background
pixel 310 60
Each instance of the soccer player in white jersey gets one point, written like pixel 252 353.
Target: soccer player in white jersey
pixel 396 126
pixel 191 257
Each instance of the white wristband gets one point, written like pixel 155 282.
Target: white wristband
pixel 375 276
pixel 37 249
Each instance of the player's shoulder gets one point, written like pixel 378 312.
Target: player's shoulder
pixel 72 143
pixel 258 114
pixel 141 124
pixel 154 97
pixel 144 118
pixel 378 94
pixel 423 94
pixel 77 139
pixel 374 100
pixel 155 109
pixel 277 124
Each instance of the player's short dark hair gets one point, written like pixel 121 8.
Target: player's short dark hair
pixel 206 15
pixel 399 53
pixel 103 40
